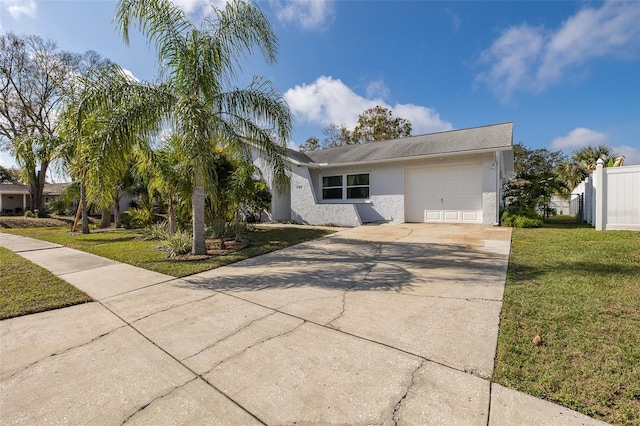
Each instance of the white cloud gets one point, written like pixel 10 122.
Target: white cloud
pixel 130 75
pixel 19 8
pixel 455 19
pixel 308 14
pixel 423 119
pixel 198 8
pixel 329 100
pixel 578 138
pixel 377 89
pixel 530 59
pixel 513 56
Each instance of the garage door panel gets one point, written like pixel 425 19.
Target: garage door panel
pixel 444 194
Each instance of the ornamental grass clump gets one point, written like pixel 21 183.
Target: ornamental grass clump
pixel 177 244
pixel 156 231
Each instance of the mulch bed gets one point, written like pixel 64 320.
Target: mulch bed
pixel 213 249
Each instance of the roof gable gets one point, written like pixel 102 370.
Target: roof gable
pixel 498 137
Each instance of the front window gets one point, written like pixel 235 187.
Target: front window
pixel 332 188
pixel 358 186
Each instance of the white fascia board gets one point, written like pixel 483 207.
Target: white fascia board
pixel 395 160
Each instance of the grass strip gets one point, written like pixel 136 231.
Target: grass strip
pixel 126 246
pixel 579 289
pixel 26 288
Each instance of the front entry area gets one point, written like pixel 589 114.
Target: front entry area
pixel 450 194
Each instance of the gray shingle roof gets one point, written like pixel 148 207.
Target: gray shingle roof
pixel 497 137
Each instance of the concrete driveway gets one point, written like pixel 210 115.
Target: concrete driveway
pixel 391 324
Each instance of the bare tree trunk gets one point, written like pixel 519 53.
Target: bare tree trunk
pixel 85 213
pixel 197 203
pixel 105 219
pixel 36 187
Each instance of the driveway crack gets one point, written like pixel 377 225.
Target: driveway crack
pixel 177 305
pixel 249 324
pixel 254 345
pixel 141 408
pixel 399 403
pixel 344 302
pixel 64 351
pixel 367 270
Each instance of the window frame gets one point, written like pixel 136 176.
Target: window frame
pixel 334 187
pixel 345 187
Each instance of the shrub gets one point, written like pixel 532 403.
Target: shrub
pixel 156 231
pixel 520 221
pixel 217 229
pixel 29 213
pixel 178 243
pixel 136 218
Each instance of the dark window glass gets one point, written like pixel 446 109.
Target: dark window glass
pixel 361 179
pixel 329 181
pixel 332 194
pixel 358 192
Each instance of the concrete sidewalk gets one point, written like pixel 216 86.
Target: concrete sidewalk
pixel 393 324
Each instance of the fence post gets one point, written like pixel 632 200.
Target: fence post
pixel 600 195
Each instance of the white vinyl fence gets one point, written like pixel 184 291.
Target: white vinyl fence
pixel 610 198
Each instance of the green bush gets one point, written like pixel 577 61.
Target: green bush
pixel 217 229
pixel 29 213
pixel 136 218
pixel 178 243
pixel 520 221
pixel 156 231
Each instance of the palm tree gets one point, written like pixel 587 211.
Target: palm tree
pixel 199 63
pixel 170 175
pixel 570 173
pixel 582 163
pixel 589 155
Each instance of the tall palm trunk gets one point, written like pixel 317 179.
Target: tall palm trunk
pixel 105 218
pixel 116 210
pixel 85 213
pixel 197 203
pixel 171 216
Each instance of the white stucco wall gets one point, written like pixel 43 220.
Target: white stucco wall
pixel 280 201
pixel 386 191
pixel 490 190
pixel 305 208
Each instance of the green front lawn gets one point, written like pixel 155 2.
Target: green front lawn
pixel 26 288
pixel 126 246
pixel 579 289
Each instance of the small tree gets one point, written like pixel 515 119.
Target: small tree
pixel 377 124
pixel 311 144
pixel 530 194
pixel 535 182
pixel 374 124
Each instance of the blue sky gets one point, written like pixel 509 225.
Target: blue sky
pixel 567 74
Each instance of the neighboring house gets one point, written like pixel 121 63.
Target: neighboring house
pixel 14 198
pixel 453 177
pixel 52 191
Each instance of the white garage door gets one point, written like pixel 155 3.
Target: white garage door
pixel 444 194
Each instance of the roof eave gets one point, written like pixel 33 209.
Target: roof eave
pixel 399 159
